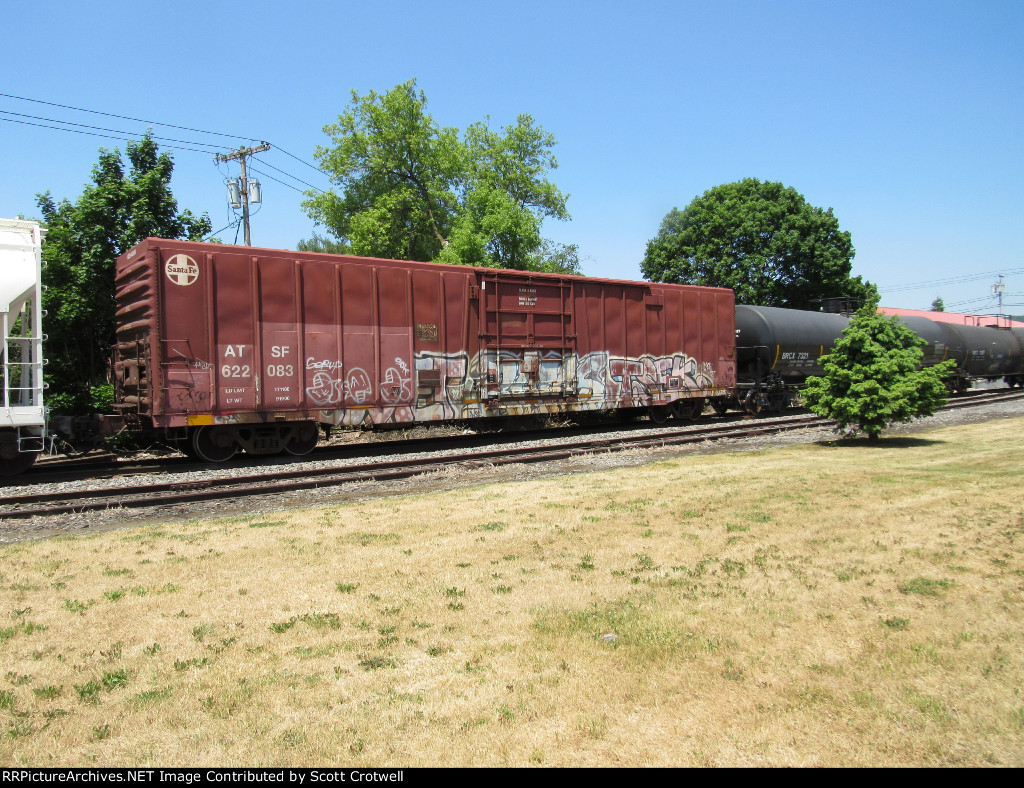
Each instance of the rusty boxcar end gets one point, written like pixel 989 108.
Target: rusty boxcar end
pixel 227 348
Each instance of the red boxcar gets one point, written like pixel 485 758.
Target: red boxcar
pixel 234 348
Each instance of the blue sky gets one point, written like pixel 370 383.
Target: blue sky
pixel 904 117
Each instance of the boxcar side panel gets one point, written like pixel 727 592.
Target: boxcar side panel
pixel 394 380
pixel 233 322
pixel 280 339
pixel 182 348
pixel 251 335
pixel 322 340
pixel 358 296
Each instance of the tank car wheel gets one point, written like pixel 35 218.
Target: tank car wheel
pixel 212 444
pixel 659 414
pixel 721 407
pixel 304 440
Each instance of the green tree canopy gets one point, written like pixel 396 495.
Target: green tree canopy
pixel 873 376
pixel 762 240
pixel 412 189
pixel 83 241
pixel 319 243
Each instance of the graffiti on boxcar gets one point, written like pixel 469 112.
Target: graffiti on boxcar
pixel 312 363
pixel 396 386
pixel 358 388
pixel 354 387
pixel 650 378
pixel 444 398
pixel 625 381
pixel 325 390
pixel 455 386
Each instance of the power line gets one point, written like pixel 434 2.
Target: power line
pixel 126 117
pixel 94 134
pixel 301 161
pixel 233 223
pixel 277 180
pixel 304 183
pixel 956 280
pixel 98 128
pixel 178 143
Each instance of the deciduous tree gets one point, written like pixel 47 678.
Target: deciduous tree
pixel 409 188
pixel 84 238
pixel 761 239
pixel 873 376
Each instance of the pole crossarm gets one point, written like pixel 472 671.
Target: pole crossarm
pixel 241 152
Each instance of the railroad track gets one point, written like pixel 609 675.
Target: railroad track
pixel 268 480
pixel 104 465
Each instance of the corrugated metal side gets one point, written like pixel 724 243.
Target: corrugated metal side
pixel 243 335
pixel 238 335
pixel 136 314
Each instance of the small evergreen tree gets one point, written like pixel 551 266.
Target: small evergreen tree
pixel 873 376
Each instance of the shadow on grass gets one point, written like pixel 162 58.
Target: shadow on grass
pixel 893 442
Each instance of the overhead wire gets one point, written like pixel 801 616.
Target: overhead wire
pixel 171 143
pixel 955 280
pixel 225 227
pixel 93 134
pixel 256 170
pixel 288 174
pixel 99 128
pixel 126 117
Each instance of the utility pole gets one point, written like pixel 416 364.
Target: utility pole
pixel 998 288
pixel 240 154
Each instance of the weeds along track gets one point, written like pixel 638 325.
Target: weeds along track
pixel 129 491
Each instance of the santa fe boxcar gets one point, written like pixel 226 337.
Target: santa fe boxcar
pixel 228 348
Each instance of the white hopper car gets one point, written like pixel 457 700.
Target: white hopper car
pixel 22 415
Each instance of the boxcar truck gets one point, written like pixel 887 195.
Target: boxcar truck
pixel 22 415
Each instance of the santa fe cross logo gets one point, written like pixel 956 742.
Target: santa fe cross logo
pixel 182 269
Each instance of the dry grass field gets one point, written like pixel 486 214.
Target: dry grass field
pixel 819 605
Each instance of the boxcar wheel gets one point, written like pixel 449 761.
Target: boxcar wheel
pixel 687 409
pixel 303 441
pixel 212 444
pixel 659 414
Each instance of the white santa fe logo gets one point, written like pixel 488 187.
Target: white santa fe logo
pixel 182 269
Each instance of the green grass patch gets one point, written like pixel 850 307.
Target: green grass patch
pixel 24 628
pixel 925 586
pixel 377 663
